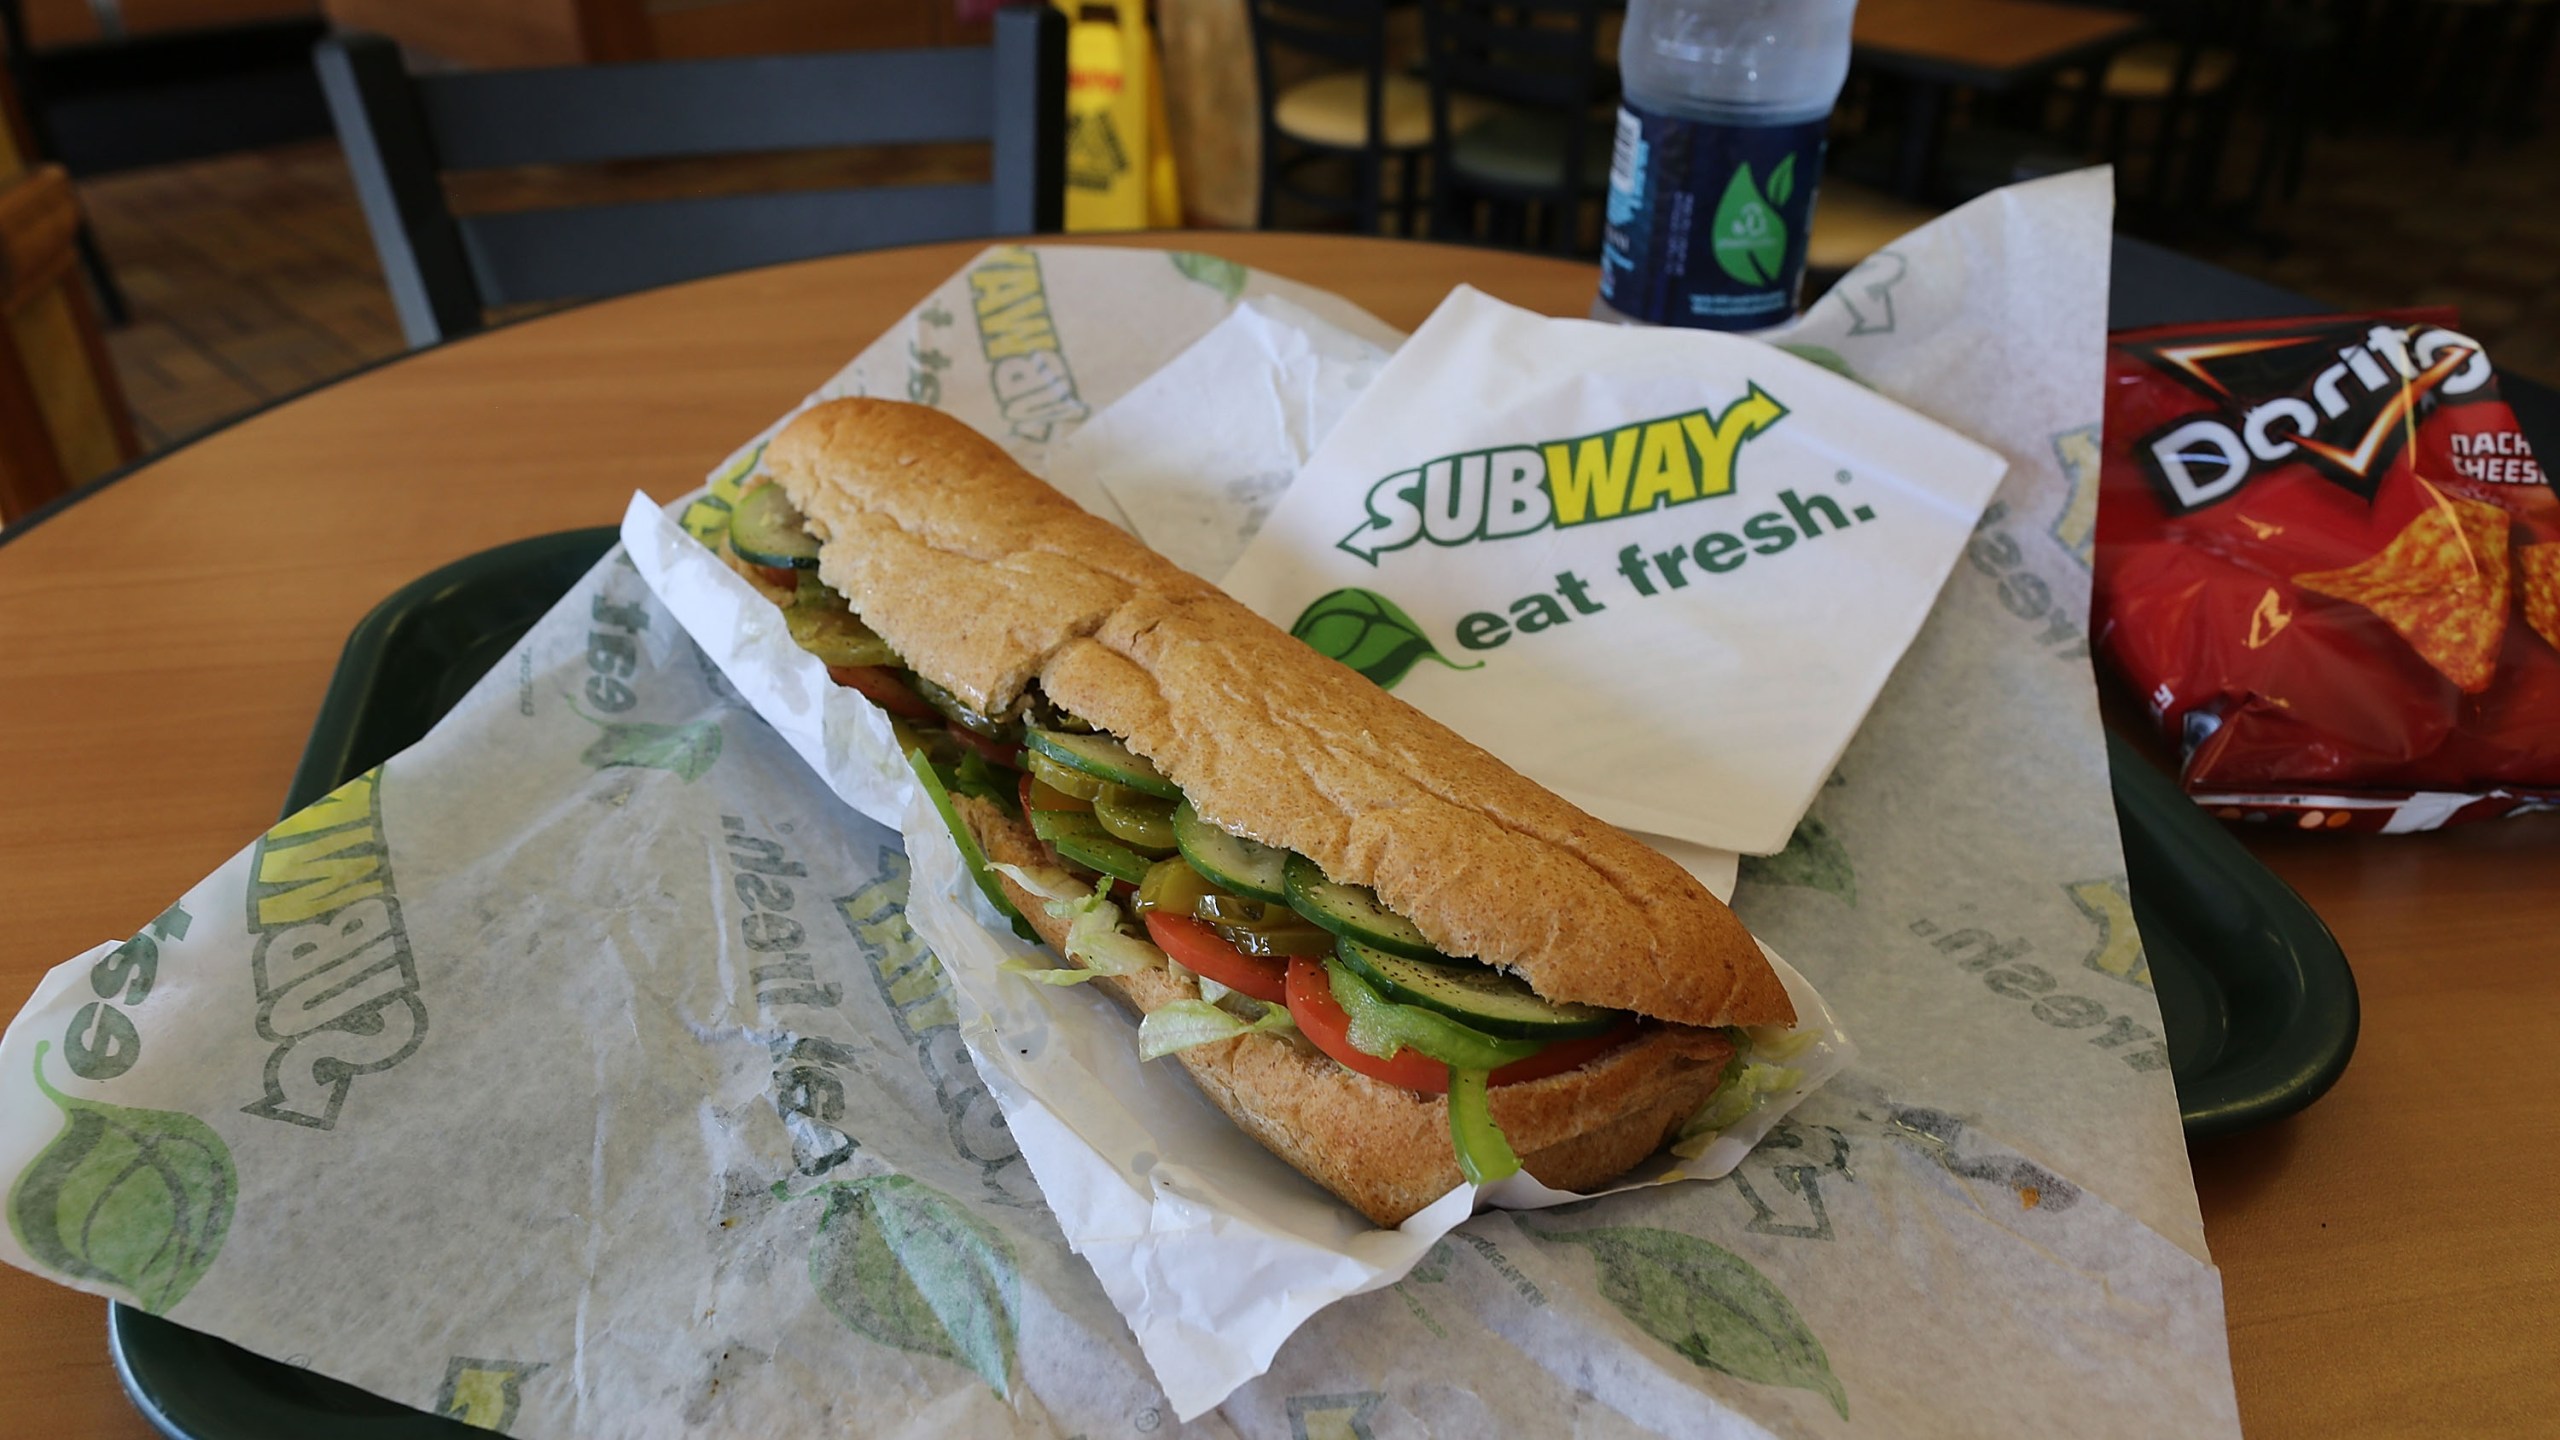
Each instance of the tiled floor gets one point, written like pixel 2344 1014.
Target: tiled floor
pixel 2386 220
pixel 251 277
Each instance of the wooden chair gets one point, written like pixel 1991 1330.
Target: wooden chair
pixel 1542 151
pixel 402 133
pixel 2494 54
pixel 1852 222
pixel 1355 106
pixel 62 418
pixel 2189 78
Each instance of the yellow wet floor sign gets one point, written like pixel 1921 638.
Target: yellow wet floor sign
pixel 1119 163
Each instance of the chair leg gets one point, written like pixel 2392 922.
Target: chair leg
pixel 1270 171
pixel 2204 165
pixel 111 304
pixel 2084 108
pixel 2274 141
pixel 2530 61
pixel 2475 53
pixel 1407 205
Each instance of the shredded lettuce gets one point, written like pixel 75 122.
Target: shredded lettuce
pixel 1095 946
pixel 974 776
pixel 1046 882
pixel 1745 1088
pixel 1777 1044
pixel 1185 1023
pixel 1213 992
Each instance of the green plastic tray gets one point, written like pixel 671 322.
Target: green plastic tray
pixel 2257 1001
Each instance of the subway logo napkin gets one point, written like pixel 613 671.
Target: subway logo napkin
pixel 1663 572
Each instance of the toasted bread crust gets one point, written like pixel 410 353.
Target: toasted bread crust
pixel 1386 1150
pixel 986 580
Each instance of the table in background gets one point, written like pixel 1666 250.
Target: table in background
pixel 1993 45
pixel 2388 1255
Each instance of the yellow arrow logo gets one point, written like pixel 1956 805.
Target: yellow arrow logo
pixel 2119 948
pixel 1332 1417
pixel 485 1393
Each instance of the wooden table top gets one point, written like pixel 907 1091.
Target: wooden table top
pixel 1990 43
pixel 2388 1255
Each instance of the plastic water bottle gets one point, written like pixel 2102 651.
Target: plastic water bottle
pixel 1719 151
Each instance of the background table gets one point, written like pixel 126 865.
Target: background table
pixel 1994 45
pixel 2389 1255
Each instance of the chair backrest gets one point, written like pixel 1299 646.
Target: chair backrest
pixel 1349 33
pixel 403 132
pixel 1343 34
pixel 1537 53
pixel 1541 55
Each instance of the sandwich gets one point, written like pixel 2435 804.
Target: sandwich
pixel 1388 957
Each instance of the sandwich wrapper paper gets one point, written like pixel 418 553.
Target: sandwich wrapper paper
pixel 1663 572
pixel 586 1070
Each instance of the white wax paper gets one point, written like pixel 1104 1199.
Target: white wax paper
pixel 556 1213
pixel 1663 572
pixel 1196 454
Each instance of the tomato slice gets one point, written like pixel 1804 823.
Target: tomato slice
pixel 781 577
pixel 1195 946
pixel 1322 1020
pixel 882 687
pixel 995 751
pixel 1563 1055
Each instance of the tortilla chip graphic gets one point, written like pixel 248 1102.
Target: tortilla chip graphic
pixel 2440 584
pixel 2539 566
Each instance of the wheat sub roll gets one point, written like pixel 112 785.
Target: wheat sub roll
pixel 1386 1150
pixel 987 581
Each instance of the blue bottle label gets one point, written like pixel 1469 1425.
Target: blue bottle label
pixel 1707 220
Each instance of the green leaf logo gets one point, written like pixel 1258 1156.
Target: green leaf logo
pixel 1814 858
pixel 1825 357
pixel 1366 631
pixel 903 1264
pixel 687 750
pixel 1750 240
pixel 1709 1304
pixel 1217 272
pixel 1782 181
pixel 136 1198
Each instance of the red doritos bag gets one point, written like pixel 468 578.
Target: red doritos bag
pixel 2331 566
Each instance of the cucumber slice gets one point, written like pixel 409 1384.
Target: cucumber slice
pixel 822 624
pixel 784 595
pixel 1078 836
pixel 1172 887
pixel 1353 912
pixel 1231 862
pixel 957 711
pixel 767 529
pixel 1102 756
pixel 1055 825
pixel 1142 820
pixel 1477 996
pixel 1067 780
pixel 1100 852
